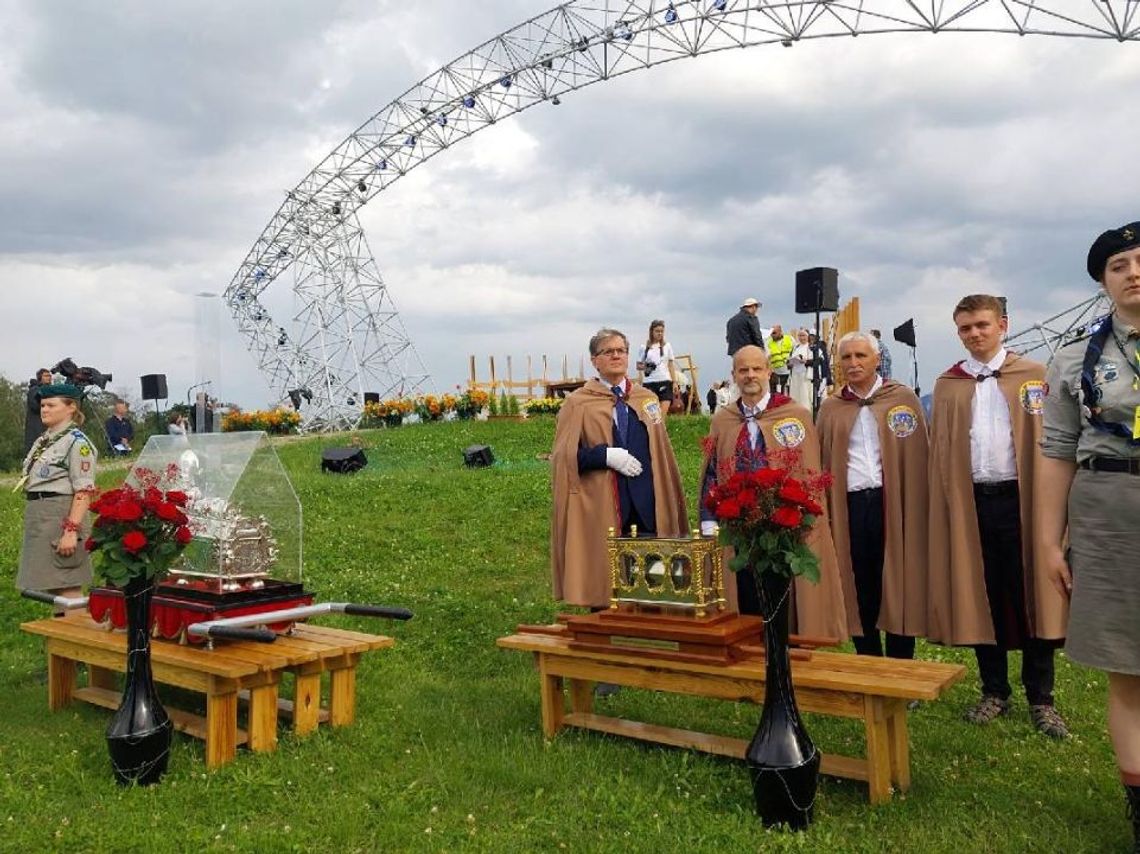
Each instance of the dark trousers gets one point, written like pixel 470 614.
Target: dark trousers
pixel 999 528
pixel 865 524
pixel 778 384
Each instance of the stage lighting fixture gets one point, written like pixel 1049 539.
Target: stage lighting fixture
pixel 670 15
pixel 469 102
pixel 786 42
pixel 583 44
pixel 382 165
pixel 719 5
pixel 624 32
pixel 548 63
pixel 441 120
pixel 556 100
pixel 360 185
pixel 505 81
pixel 282 253
pixel 336 209
pixel 423 111
pixel 282 336
pixel 410 141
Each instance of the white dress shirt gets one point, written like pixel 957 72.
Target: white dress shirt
pixel 751 413
pixel 992 458
pixel 864 453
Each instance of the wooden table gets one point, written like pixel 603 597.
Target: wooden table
pixel 230 671
pixel 875 690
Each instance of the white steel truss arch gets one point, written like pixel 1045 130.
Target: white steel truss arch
pixel 349 338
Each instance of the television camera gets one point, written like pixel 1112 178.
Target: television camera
pixel 81 376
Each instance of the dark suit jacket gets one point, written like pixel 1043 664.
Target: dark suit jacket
pixel 741 330
pixel 33 427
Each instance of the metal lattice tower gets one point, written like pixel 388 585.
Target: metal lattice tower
pixel 350 338
pixel 1044 339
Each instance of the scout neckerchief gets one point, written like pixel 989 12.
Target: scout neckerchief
pixel 1089 395
pixel 45 441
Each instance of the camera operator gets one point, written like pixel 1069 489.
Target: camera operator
pixel 655 361
pixel 32 424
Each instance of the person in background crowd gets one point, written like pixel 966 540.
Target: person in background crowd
pixel 821 364
pixel 1089 494
pixel 58 482
pixel 32 426
pixel 120 430
pixel 984 587
pixel 779 351
pixel 655 362
pixel 177 425
pixel 724 395
pixel 884 355
pixel 743 328
pixel 800 362
pixel 742 436
pixel 873 441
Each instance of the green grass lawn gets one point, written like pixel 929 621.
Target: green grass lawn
pixel 447 753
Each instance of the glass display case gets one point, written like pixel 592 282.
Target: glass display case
pixel 244 514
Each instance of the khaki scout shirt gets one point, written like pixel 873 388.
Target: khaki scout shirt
pixel 65 466
pixel 1067 434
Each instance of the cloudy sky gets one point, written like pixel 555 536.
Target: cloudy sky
pixel 145 146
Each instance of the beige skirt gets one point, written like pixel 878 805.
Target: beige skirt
pixel 41 568
pixel 1104 618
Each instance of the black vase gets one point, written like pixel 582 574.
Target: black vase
pixel 140 732
pixel 782 760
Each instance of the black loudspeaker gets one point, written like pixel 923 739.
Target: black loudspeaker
pixel 371 397
pixel 154 387
pixel 904 333
pixel 343 460
pixel 477 456
pixel 817 289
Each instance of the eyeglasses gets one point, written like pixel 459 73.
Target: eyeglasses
pixel 613 351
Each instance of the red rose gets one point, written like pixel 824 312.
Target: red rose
pixel 177 497
pixel 767 478
pixel 128 511
pixel 747 500
pixel 182 536
pixel 167 512
pixel 151 498
pixel 728 509
pixel 90 544
pixel 794 492
pixel 134 541
pixel 813 508
pixel 787 517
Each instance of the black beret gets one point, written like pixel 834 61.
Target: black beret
pixel 1110 243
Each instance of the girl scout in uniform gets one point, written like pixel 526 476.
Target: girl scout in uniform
pixel 58 481
pixel 1090 484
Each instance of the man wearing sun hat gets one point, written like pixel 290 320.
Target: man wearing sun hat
pixel 743 328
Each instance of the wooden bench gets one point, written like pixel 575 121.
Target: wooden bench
pixel 225 674
pixel 875 690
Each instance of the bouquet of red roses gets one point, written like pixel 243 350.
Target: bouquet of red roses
pixel 139 531
pixel 765 515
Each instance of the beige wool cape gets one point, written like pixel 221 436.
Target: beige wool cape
pixel 958 608
pixel 821 609
pixel 903 440
pixel 585 506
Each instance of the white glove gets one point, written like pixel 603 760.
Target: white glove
pixel 623 462
pixel 708 529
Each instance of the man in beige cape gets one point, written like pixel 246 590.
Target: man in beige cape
pixel 743 436
pixel 613 467
pixel 873 441
pixel 984 588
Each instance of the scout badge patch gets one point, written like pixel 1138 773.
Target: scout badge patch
pixel 652 410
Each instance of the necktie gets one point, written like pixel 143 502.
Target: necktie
pixel 621 414
pixel 750 416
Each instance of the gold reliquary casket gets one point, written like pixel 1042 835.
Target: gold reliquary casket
pixel 682 574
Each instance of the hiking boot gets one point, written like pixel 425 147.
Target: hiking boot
pixel 1133 794
pixel 989 708
pixel 1048 721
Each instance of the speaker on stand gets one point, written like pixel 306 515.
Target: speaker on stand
pixel 904 334
pixel 817 290
pixel 154 389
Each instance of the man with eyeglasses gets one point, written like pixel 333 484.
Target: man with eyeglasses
pixel 613 467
